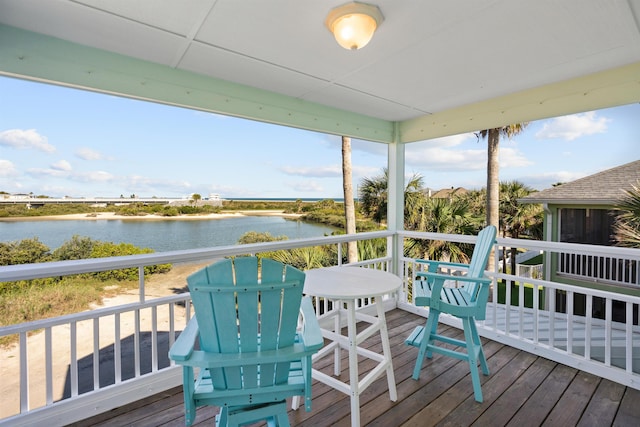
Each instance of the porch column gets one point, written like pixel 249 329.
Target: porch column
pixel 395 202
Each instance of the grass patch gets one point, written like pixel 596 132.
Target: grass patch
pixel 515 301
pixel 70 295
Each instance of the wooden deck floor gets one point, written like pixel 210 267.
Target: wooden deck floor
pixel 522 390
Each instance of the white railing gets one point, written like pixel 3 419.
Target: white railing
pixel 70 367
pixel 600 268
pixel 591 327
pixel 104 358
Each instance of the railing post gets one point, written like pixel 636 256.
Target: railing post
pixel 141 282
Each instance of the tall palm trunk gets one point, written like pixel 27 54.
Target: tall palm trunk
pixel 493 185
pixel 349 204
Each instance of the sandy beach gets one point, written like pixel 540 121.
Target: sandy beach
pixel 155 287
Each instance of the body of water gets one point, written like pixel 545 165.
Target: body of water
pixel 161 235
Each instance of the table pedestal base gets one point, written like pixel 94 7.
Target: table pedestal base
pixel 351 343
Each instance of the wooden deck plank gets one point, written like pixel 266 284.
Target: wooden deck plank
pixel 410 399
pixel 505 372
pixel 629 410
pixel 125 415
pixel 516 395
pixel 544 398
pixel 522 390
pixel 604 404
pixel 571 405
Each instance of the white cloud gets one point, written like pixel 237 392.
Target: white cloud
pixel 7 168
pixel 24 139
pixel 94 176
pixel 62 165
pixel 307 186
pixel 443 159
pixel 440 154
pixel 318 172
pixel 512 158
pixel 546 180
pixel 139 183
pixel 52 173
pixel 63 170
pixel 89 154
pixel 443 154
pixel 573 126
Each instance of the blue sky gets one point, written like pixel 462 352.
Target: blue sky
pixel 64 142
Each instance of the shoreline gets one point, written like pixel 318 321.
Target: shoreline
pixel 111 216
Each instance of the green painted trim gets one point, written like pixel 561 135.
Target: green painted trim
pixel 623 290
pixel 609 88
pixel 33 56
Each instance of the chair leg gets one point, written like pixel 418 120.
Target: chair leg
pixel 429 329
pixel 222 419
pixel 188 390
pixel 282 419
pixel 434 315
pixel 472 356
pixel 481 357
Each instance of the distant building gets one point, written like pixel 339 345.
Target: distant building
pixel 17 196
pixel 446 193
pixel 581 211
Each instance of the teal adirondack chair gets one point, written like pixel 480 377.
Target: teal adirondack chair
pixel 467 302
pixel 253 351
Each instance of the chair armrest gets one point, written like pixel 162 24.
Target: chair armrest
pixel 311 334
pixel 311 341
pixel 203 359
pixel 439 279
pixel 182 349
pixel 434 265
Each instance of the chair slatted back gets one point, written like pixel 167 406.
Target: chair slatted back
pixel 478 264
pixel 245 305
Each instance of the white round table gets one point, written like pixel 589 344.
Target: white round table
pixel 345 285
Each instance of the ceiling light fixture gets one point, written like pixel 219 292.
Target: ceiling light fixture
pixel 353 24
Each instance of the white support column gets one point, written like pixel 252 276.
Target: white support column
pixel 395 201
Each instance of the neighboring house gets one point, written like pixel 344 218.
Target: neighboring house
pixel 445 193
pixel 582 211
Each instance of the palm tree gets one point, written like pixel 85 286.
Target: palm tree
pixel 493 165
pixel 441 216
pixel 477 201
pixel 195 197
pixel 349 205
pixel 626 227
pixel 374 195
pixel 516 218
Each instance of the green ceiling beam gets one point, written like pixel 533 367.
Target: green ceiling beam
pixel 33 56
pixel 618 86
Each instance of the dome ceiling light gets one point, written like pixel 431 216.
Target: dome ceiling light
pixel 353 24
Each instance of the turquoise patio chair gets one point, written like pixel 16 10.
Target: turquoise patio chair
pixel 253 350
pixel 467 301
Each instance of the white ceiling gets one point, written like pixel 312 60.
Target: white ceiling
pixel 428 56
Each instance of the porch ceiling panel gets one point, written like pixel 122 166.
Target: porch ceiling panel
pixel 432 65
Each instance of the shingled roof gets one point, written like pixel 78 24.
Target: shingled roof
pixel 447 193
pixel 602 188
